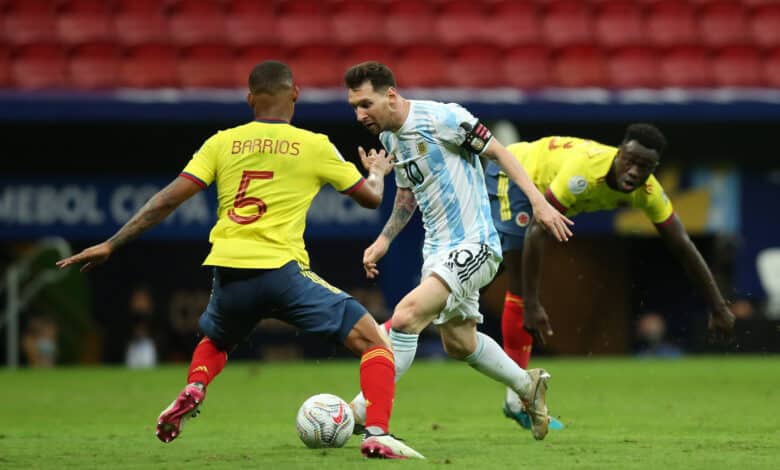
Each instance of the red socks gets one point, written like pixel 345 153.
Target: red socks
pixel 517 341
pixel 377 381
pixel 207 362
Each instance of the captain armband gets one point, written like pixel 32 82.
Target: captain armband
pixel 477 137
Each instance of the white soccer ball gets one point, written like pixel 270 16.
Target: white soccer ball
pixel 324 420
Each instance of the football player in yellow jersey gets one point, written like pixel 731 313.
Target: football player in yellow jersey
pixel 267 172
pixel 578 175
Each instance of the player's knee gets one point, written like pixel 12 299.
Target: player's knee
pixel 406 318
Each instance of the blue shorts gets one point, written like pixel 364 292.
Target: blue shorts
pixel 240 298
pixel 515 204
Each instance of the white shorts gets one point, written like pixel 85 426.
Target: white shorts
pixel 465 269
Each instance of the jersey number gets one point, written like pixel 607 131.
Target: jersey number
pixel 242 200
pixel 413 173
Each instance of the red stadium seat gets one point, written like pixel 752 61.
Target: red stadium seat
pixel 421 65
pixel 149 66
pixel 513 23
pixel 409 22
pixel 5 67
pixel 634 67
pixel 141 6
pixel 723 22
pixel 365 52
pixel 461 22
pixel 251 23
pixel 206 66
pixel 195 22
pixel 140 25
pixel 738 66
pixel 94 66
pixel 765 25
pixel 317 66
pixel 526 67
pixel 567 22
pixel 771 68
pixel 670 22
pixel 618 23
pixel 29 22
pixel 687 66
pixel 303 22
pixel 249 56
pixel 580 66
pixel 474 66
pixel 81 21
pixel 357 21
pixel 39 66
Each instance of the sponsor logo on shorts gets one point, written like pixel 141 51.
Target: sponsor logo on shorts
pixel 465 263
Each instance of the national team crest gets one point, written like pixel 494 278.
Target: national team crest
pixel 522 219
pixel 422 149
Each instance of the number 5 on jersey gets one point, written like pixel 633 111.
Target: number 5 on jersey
pixel 242 200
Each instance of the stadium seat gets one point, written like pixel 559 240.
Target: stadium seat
pixel 686 66
pixel 94 66
pixel 421 65
pixel 475 66
pixel 618 23
pixel 567 22
pixel 29 22
pixel 461 22
pixel 357 21
pixel 206 66
pixel 765 25
pixel 633 67
pixel 580 66
pixel 669 23
pixel 513 23
pixel 738 66
pixel 372 51
pixel 149 66
pixel 251 23
pixel 195 22
pixel 409 22
pixel 526 67
pixel 249 56
pixel 771 68
pixel 39 66
pixel 722 22
pixel 317 65
pixel 81 21
pixel 5 67
pixel 140 22
pixel 303 22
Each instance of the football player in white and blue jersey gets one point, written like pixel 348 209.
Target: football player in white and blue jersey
pixel 437 148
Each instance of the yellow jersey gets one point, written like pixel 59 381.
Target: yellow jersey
pixel 267 173
pixel 572 173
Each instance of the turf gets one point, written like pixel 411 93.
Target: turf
pixel 716 412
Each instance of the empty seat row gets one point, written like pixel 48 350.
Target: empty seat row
pixel 106 66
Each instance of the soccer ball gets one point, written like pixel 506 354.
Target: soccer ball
pixel 324 420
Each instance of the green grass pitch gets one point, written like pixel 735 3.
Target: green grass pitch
pixel 711 413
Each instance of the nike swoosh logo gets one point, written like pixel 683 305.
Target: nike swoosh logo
pixel 339 417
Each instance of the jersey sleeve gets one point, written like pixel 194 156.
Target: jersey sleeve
pixel 568 184
pixel 654 202
pixel 339 173
pixel 448 126
pixel 202 167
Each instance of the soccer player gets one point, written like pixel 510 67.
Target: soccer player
pixel 267 172
pixel 579 175
pixel 437 148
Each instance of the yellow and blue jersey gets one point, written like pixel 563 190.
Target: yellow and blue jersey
pixel 267 173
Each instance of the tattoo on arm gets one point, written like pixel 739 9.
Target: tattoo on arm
pixel 152 213
pixel 403 208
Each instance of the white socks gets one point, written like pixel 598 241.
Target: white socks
pixel 404 349
pixel 492 361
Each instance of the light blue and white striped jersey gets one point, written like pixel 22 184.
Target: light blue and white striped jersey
pixel 446 179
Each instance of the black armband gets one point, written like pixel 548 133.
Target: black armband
pixel 477 137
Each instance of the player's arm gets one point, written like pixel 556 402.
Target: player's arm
pixel 544 212
pixel 535 318
pixel 403 208
pixel 378 165
pixel 152 213
pixel 676 238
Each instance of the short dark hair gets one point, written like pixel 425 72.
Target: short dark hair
pixel 380 76
pixel 648 135
pixel 270 77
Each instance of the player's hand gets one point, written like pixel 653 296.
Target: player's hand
pixel 536 322
pixel 91 257
pixel 373 254
pixel 721 325
pixel 553 221
pixel 380 160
